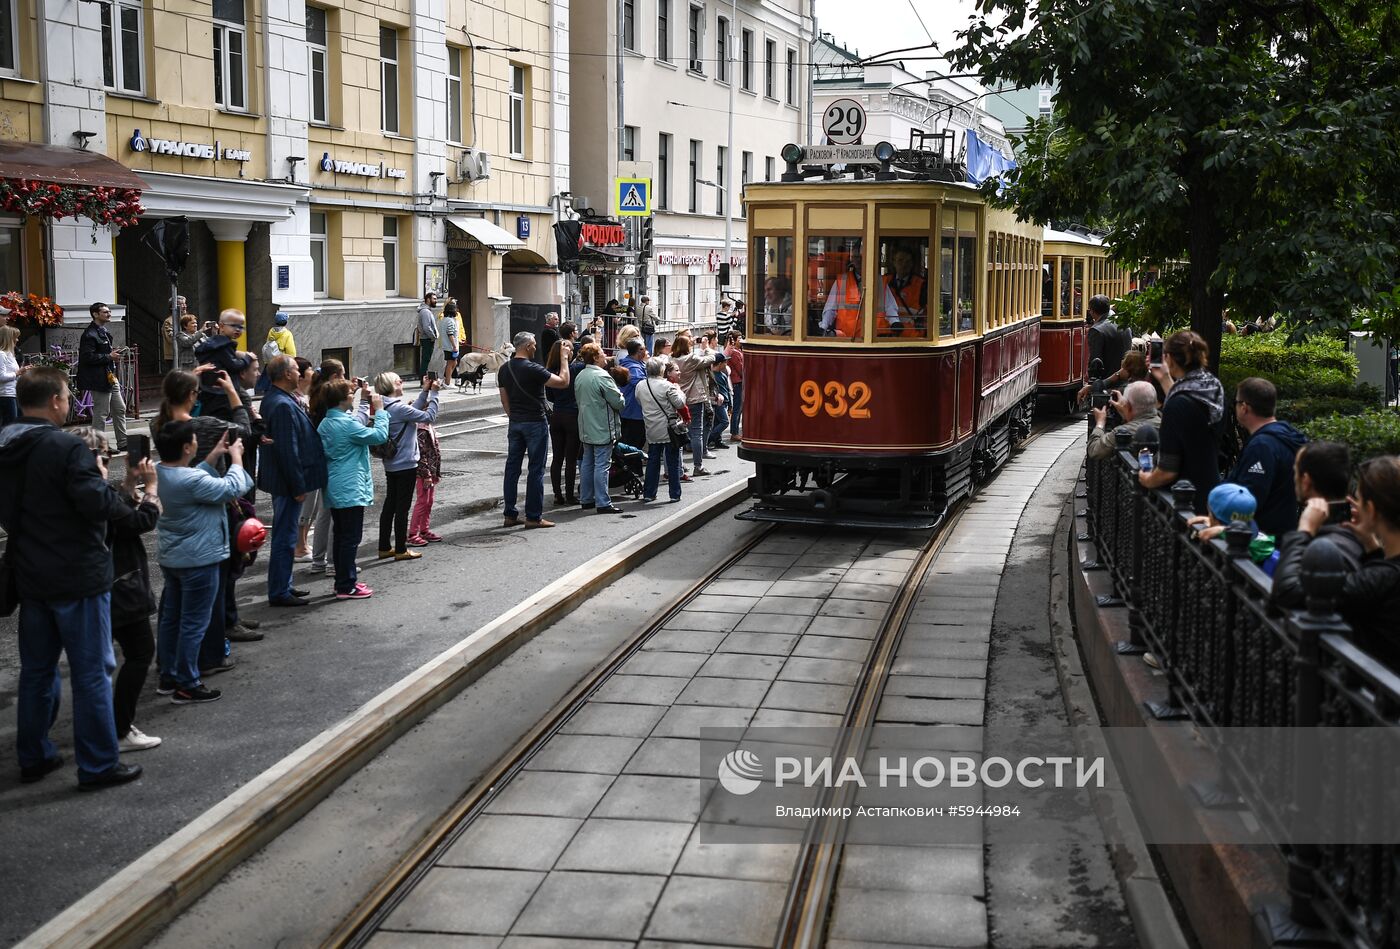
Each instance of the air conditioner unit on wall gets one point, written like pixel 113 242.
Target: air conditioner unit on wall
pixel 474 165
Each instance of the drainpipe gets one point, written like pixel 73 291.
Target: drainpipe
pixel 811 65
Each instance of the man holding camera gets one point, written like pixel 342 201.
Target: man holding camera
pixel 1321 477
pixel 97 374
pixel 1137 405
pixel 219 350
pixel 293 465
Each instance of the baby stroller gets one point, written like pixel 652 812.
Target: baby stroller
pixel 628 468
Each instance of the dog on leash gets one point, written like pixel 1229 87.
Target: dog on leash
pixel 473 367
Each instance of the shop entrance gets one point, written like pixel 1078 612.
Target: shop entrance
pixel 459 285
pixel 144 289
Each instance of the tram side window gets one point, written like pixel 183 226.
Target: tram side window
pixel 834 292
pixel 1047 289
pixel 904 273
pixel 1066 288
pixel 773 280
pixel 967 269
pixel 1079 287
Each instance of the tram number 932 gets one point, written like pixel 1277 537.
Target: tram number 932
pixel 837 399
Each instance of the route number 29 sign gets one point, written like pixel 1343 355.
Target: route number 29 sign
pixel 844 122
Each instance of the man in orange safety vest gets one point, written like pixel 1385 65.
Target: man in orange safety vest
pixel 841 315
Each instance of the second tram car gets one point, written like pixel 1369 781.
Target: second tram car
pixel 893 346
pixel 1076 267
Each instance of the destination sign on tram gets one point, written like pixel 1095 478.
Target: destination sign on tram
pixel 839 155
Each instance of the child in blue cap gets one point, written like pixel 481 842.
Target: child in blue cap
pixel 1233 504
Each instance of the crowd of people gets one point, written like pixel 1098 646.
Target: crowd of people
pixel 654 398
pixel 76 557
pixel 1284 490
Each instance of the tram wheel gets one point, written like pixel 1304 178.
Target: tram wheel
pixel 983 462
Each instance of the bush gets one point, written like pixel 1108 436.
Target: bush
pixel 1314 367
pixel 1298 411
pixel 1368 434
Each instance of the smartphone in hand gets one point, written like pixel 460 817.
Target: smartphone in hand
pixel 430 375
pixel 1154 352
pixel 138 449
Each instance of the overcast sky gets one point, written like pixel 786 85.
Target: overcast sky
pixel 874 26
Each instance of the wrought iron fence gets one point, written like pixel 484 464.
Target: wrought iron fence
pixel 1233 660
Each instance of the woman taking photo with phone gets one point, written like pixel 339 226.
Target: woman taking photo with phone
pixel 1191 418
pixel 346 435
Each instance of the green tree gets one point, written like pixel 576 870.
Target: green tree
pixel 1256 139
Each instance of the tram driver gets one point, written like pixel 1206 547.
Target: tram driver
pixel 841 315
pixel 909 290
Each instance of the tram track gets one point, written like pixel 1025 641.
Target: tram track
pixel 813 881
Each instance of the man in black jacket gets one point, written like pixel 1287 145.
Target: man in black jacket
pixel 55 506
pixel 1321 477
pixel 97 373
pixel 1106 341
pixel 220 351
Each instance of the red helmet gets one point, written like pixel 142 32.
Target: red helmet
pixel 251 534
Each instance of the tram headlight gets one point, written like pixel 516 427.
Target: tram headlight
pixel 884 154
pixel 792 154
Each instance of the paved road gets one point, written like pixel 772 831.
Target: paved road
pixel 314 667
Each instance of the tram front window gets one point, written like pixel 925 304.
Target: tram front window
pixel 773 257
pixel 904 273
pixel 834 292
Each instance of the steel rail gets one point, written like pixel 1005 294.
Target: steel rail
pixel 807 907
pixel 360 926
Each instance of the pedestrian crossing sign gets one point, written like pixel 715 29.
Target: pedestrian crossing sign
pixel 632 197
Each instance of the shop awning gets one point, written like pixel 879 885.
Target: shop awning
pixel 58 164
pixel 485 233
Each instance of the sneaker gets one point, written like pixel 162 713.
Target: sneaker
pixel 417 542
pixel 409 555
pixel 223 666
pixel 318 567
pixel 710 454
pixel 330 570
pixel 165 687
pixel 719 446
pixel 647 500
pixel 430 537
pixel 240 633
pixel 301 558
pixel 254 624
pixel 701 472
pixel 1151 660
pixel 136 740
pixel 195 695
pixel 361 592
pixel 686 479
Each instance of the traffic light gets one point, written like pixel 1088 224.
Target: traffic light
pixel 648 242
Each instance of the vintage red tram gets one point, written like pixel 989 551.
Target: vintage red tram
pixel 1076 267
pixel 884 407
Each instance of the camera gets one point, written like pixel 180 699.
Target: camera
pixel 1099 399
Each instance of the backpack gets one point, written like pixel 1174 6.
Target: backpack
pixel 270 351
pixel 388 449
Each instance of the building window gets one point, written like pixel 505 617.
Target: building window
pixel 9 37
pixel 791 77
pixel 768 164
pixel 722 49
pixel 697 39
pixel 121 44
pixel 319 247
pixel 745 176
pixel 517 111
pixel 391 256
pixel 389 79
pixel 746 54
pixel 694 175
pixel 629 24
pixel 317 55
pixel 663 30
pixel 663 172
pixel 629 143
pixel 692 309
pixel 230 55
pixel 663 302
pixel 454 94
pixel 770 67
pixel 721 178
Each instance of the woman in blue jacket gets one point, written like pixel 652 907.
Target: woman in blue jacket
pixel 401 460
pixel 346 435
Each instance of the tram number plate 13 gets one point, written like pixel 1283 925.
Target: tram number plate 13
pixel 837 399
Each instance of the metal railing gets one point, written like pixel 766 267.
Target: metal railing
pixel 128 373
pixel 1233 660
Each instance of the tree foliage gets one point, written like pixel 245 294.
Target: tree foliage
pixel 1257 139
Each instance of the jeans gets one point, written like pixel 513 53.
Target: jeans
pixel 419 523
pixel 563 466
pixel 186 605
pixel 397 500
pixel 593 480
pixel 649 340
pixel 349 527
pixel 321 533
pixel 716 430
pixel 138 649
pixel 104 403
pixel 83 630
pixel 736 413
pixel 426 348
pixel 697 434
pixel 286 519
pixel 9 409
pixel 526 438
pixel 672 454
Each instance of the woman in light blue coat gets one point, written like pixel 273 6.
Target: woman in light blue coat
pixel 346 435
pixel 401 465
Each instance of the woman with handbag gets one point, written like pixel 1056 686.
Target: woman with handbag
pixel 668 427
